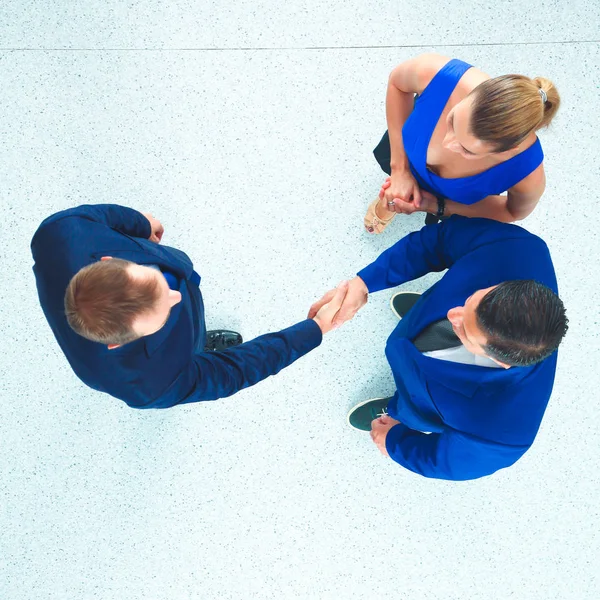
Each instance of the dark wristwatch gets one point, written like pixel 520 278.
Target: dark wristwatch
pixel 441 202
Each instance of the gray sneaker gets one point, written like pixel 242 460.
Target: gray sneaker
pixel 362 414
pixel 402 302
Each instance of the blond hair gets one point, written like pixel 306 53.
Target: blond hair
pixel 509 108
pixel 103 299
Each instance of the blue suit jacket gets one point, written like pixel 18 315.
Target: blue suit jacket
pixel 168 367
pixel 481 419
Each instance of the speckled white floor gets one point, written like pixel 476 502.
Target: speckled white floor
pixel 259 164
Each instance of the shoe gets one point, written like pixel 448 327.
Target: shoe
pixel 362 414
pixel 221 339
pixel 374 224
pixel 402 302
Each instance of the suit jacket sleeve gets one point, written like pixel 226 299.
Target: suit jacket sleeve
pixel 120 218
pixel 213 375
pixel 433 248
pixel 451 455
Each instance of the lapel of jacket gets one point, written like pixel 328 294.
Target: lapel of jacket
pixel 155 341
pixel 426 311
pixel 434 305
pixel 468 379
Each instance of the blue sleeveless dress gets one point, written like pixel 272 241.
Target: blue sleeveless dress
pixel 419 128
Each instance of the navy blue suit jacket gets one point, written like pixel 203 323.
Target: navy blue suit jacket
pixel 168 367
pixel 481 419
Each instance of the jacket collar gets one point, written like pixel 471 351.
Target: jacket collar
pixel 167 258
pixel 171 259
pixel 461 378
pixel 425 312
pixel 153 342
pixel 467 379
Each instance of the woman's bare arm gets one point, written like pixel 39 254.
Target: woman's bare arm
pixel 519 203
pixel 407 79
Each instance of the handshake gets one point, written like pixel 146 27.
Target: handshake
pixel 335 308
pixel 339 305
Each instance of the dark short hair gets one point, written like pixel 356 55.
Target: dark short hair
pixel 102 300
pixel 524 322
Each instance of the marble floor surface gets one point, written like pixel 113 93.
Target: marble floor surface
pixel 247 128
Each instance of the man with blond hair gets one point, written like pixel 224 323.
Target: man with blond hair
pixel 128 314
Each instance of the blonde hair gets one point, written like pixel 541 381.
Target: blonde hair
pixel 507 109
pixel 102 300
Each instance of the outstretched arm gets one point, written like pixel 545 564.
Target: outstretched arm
pixel 213 375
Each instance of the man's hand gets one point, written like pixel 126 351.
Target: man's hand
pixel 356 297
pixel 324 316
pixel 379 429
pixel 157 228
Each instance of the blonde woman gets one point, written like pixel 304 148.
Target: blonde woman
pixel 457 139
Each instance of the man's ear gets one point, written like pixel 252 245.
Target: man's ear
pixel 106 258
pixel 113 346
pixel 174 297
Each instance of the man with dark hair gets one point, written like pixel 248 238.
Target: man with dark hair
pixel 473 358
pixel 128 313
pixel 523 322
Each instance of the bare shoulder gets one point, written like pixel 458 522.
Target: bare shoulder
pixel 415 74
pixel 428 66
pixel 431 61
